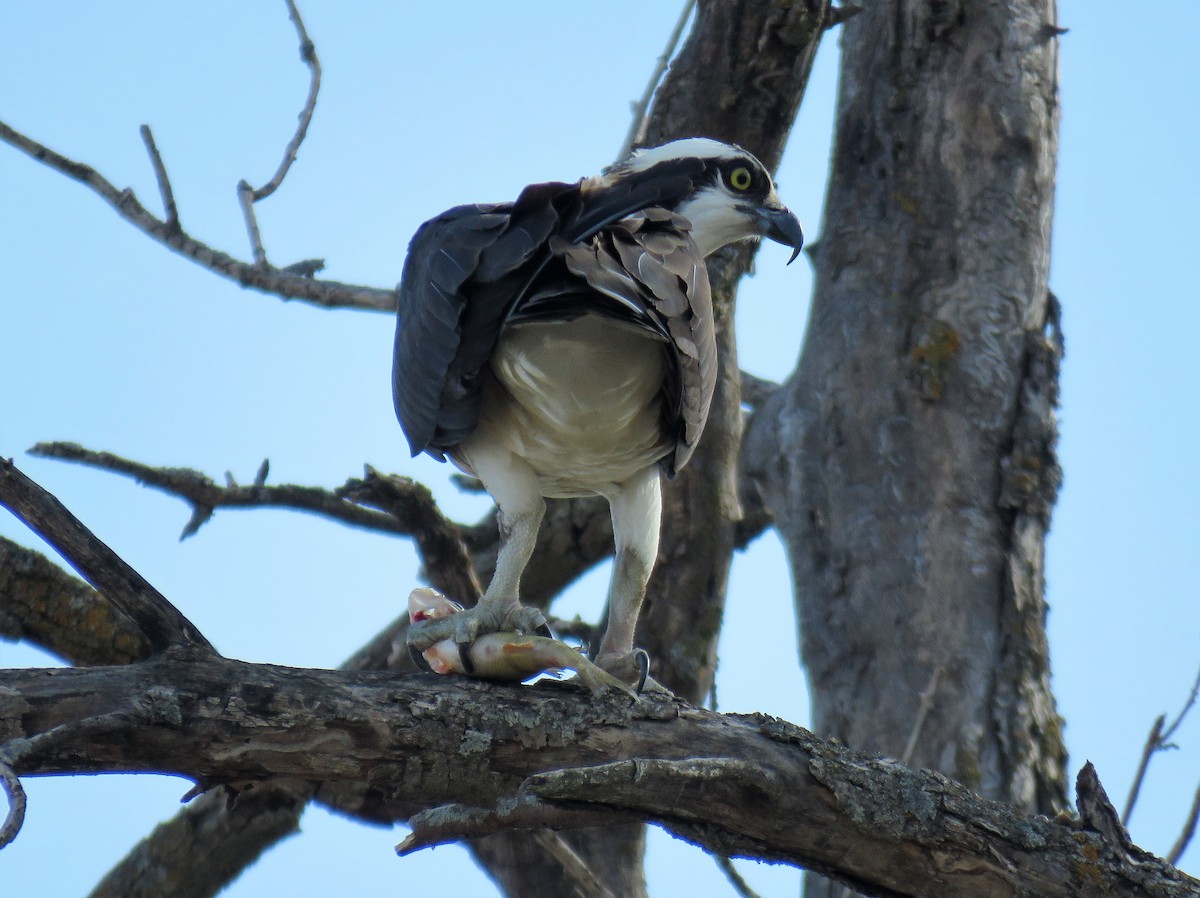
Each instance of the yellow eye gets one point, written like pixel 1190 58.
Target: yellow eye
pixel 740 178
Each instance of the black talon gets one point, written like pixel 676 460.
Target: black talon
pixel 643 662
pixel 418 658
pixel 464 656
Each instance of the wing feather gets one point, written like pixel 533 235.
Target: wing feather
pixel 557 252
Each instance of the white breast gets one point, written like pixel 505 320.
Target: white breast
pixel 579 401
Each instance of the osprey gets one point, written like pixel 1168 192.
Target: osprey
pixel 563 345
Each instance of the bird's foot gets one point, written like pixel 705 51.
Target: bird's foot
pixel 467 625
pixel 632 668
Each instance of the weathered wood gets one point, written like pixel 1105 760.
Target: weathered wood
pixel 159 622
pixel 915 496
pixel 739 78
pixel 45 605
pixel 748 785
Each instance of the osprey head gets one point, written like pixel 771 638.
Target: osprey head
pixel 731 195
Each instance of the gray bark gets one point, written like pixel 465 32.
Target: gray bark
pixel 746 785
pixel 915 495
pixel 911 470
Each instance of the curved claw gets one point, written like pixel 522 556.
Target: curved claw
pixel 632 668
pixel 643 662
pixel 418 658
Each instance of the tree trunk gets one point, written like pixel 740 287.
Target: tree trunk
pixel 915 498
pixel 713 88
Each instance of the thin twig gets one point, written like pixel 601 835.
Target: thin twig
pixel 735 878
pixel 1158 740
pixel 247 195
pixel 455 822
pixel 642 105
pixel 246 201
pixel 1183 712
pixel 280 282
pixel 308 53
pixel 378 502
pixel 16 803
pixel 164 182
pixel 582 876
pixel 1189 830
pixel 1152 745
pixel 922 714
pixel 161 622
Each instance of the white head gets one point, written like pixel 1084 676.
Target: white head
pixel 731 194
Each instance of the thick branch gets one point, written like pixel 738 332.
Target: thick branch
pixel 158 620
pixel 42 603
pixel 724 781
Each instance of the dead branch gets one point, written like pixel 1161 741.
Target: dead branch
pixel 308 54
pixel 205 495
pixel 247 195
pixel 278 281
pixel 639 108
pixel 158 620
pixel 439 541
pixel 398 505
pixel 42 603
pixel 452 822
pixel 15 816
pixel 1158 740
pixel 164 181
pixel 724 781
pixel 735 878
pixel 585 880
pixel 1189 831
pixel 922 712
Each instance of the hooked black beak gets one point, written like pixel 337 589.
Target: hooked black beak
pixel 782 226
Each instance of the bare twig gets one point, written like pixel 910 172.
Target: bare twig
pixel 453 822
pixel 205 495
pixel 281 283
pixel 735 878
pixel 1158 740
pixel 164 182
pixel 248 195
pixel 308 54
pixel 161 622
pixel 586 882
pixel 399 506
pixel 639 108
pixel 16 803
pixel 1183 712
pixel 1189 831
pixel 1153 744
pixel 922 714
pixel 439 541
pixel 246 200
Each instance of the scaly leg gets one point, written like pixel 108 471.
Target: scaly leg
pixel 514 486
pixel 636 513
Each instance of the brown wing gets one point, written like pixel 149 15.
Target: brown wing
pixel 647 272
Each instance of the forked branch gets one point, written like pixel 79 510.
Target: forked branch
pixel 160 621
pixel 247 195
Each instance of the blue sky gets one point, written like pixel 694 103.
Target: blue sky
pixel 110 340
